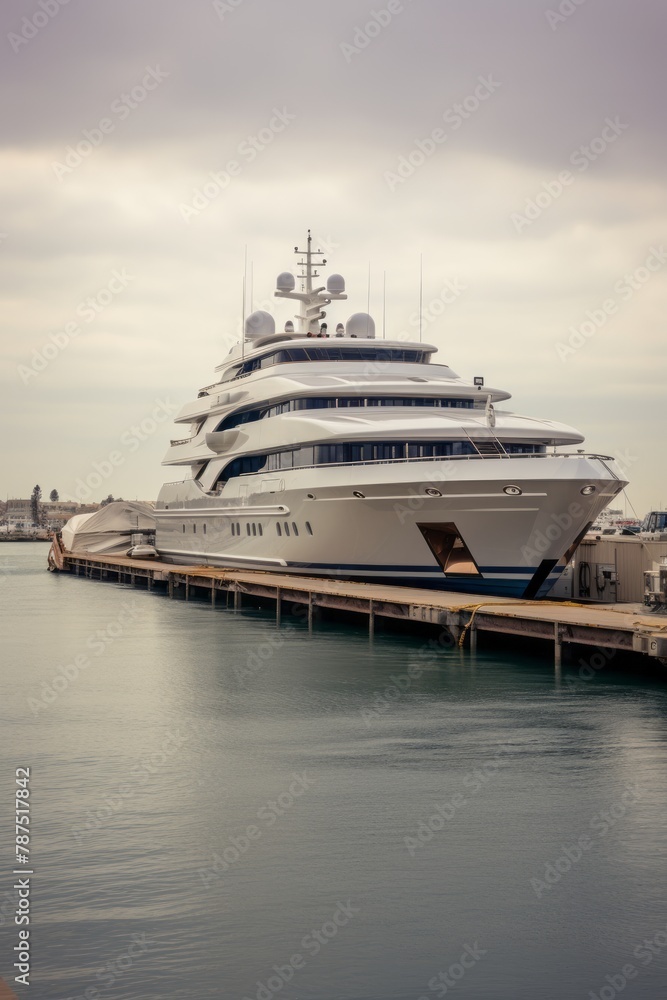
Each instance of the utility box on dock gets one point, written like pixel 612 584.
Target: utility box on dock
pixel 612 570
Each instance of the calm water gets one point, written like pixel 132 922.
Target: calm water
pixel 222 808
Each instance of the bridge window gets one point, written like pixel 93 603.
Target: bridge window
pixel 328 353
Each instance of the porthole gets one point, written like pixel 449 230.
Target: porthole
pixel 311 496
pixel 183 529
pixel 204 529
pixel 286 529
pixel 308 528
pixel 512 491
pixel 295 529
pixel 279 530
pixel 587 490
pixel 194 529
pixel 432 492
pixel 360 496
pixel 260 530
pixel 247 528
pixel 254 528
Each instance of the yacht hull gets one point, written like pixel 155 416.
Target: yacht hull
pixel 479 526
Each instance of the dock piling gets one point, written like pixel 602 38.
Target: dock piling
pixel 621 628
pixel 558 645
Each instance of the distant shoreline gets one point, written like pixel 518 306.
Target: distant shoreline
pixel 24 538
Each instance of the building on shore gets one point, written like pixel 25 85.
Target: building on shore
pixel 16 514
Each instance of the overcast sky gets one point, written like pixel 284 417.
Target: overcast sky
pixel 519 145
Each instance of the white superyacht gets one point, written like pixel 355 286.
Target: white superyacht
pixel 355 457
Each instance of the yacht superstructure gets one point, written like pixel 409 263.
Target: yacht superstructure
pixel 346 455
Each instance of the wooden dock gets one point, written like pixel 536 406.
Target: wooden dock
pixel 621 627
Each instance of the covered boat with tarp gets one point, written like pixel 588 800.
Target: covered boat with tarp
pixel 111 528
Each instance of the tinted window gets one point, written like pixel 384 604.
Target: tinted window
pixel 329 353
pixel 364 451
pixel 340 402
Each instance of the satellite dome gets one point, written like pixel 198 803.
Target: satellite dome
pixel 336 283
pixel 259 324
pixel 285 282
pixel 360 325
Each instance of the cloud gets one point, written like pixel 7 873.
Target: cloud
pixel 223 74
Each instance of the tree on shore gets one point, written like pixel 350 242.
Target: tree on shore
pixel 54 496
pixel 35 506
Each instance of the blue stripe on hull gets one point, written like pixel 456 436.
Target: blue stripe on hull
pixel 488 588
pixel 492 583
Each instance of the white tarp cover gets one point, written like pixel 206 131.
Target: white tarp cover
pixel 109 528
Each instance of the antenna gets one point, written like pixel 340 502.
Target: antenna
pixel 245 273
pixel 421 293
pixel 384 305
pixel 313 299
pixel 368 297
pixel 252 285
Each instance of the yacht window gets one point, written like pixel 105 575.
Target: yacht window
pixel 194 529
pixel 247 528
pixel 328 353
pixel 294 528
pixel 260 530
pixel 308 528
pixel 341 402
pixel 286 529
pixel 345 453
pixel 279 530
